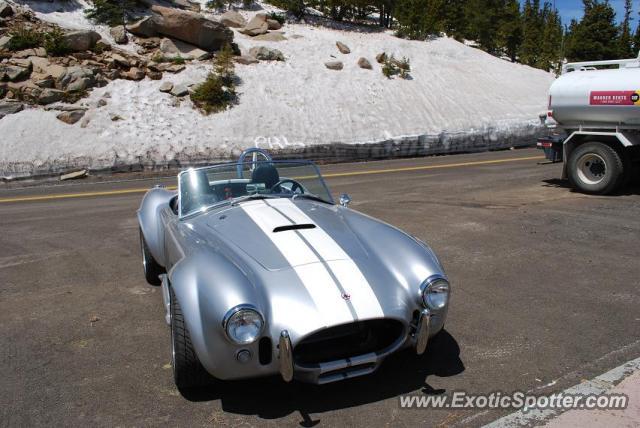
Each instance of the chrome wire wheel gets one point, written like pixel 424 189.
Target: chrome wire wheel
pixel 592 168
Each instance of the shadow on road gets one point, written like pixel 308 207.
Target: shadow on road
pixel 401 373
pixel 632 188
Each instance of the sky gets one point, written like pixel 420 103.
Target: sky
pixel 570 9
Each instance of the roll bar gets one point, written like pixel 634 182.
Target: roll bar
pixel 255 151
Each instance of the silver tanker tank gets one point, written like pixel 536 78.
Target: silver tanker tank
pixel 599 98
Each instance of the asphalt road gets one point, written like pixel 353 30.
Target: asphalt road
pixel 546 293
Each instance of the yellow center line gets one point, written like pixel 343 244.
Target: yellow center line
pixel 331 175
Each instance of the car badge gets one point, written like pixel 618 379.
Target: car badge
pixel 346 296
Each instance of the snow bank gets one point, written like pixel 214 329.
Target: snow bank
pixel 459 98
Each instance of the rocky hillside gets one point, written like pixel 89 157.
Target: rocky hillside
pixel 78 95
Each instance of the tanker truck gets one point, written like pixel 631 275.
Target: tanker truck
pixel 594 123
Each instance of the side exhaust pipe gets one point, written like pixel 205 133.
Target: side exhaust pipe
pixel 285 356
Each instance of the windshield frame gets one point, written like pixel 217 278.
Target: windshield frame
pixel 226 202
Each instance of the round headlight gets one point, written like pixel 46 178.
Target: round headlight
pixel 435 292
pixel 243 325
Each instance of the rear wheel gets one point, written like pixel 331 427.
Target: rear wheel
pixel 152 270
pixel 187 370
pixel 595 168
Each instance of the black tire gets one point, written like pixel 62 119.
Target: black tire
pixel 152 270
pixel 188 372
pixel 596 168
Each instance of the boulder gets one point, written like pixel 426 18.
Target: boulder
pixel 191 27
pixel 172 49
pixel 187 4
pixel 5 9
pixel 166 87
pixel 14 73
pixel 10 107
pixel 246 60
pixel 48 96
pixel 71 117
pixel 119 35
pixel 273 24
pixel 334 65
pixel 43 68
pixel 256 26
pixel 134 73
pixel 343 48
pixel 233 19
pixel 81 40
pixel 144 28
pixel 266 54
pixel 381 58
pixel 179 90
pixel 76 79
pixel 46 82
pixel 364 63
pixel 4 41
pixel 154 75
pixel 270 37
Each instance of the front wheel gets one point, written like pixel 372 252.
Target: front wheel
pixel 187 370
pixel 595 168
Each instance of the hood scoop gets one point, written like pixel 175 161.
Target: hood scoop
pixel 294 227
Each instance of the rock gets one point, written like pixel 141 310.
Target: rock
pixel 270 37
pixel 102 46
pixel 76 79
pixel 70 117
pixel 119 35
pixel 145 27
pixel 116 117
pixel 191 28
pixel 174 68
pixel 5 9
pixel 4 41
pixel 47 82
pixel 179 90
pixel 266 54
pixel 154 75
pixel 81 40
pixel 102 102
pixel 43 68
pixel 334 65
pixel 48 96
pixel 70 176
pixel 134 73
pixel 41 52
pixel 273 24
pixel 233 19
pixel 258 25
pixel 364 63
pixel 24 54
pixel 13 73
pixel 246 60
pixel 120 60
pixel 10 107
pixel 381 58
pixel 166 87
pixel 187 4
pixel 21 62
pixel 176 49
pixel 343 48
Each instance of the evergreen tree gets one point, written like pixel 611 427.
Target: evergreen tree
pixel 510 31
pixel 418 19
pixel 551 49
pixel 453 18
pixel 636 40
pixel 626 41
pixel 595 37
pixel 532 33
pixel 483 18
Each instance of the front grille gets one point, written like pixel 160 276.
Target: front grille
pixel 348 340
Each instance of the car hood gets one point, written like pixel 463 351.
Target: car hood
pixel 285 234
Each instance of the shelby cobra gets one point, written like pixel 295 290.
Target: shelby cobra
pixel 262 273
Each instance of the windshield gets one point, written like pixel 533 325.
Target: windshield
pixel 203 188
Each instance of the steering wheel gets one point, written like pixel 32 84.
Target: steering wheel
pixel 294 185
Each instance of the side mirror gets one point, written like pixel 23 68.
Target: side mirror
pixel 345 200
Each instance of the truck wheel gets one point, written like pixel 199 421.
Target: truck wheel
pixel 187 370
pixel 595 168
pixel 152 270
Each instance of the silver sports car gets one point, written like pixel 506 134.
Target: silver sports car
pixel 262 273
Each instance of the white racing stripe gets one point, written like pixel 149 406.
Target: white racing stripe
pixel 344 269
pixel 313 275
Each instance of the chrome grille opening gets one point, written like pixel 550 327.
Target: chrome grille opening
pixel 347 340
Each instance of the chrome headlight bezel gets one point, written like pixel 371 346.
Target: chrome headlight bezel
pixel 429 286
pixel 232 315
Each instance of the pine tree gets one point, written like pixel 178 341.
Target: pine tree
pixel 595 37
pixel 532 33
pixel 550 52
pixel 483 17
pixel 636 40
pixel 510 31
pixel 418 19
pixel 625 41
pixel 453 18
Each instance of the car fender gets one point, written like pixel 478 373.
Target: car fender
pixel 207 286
pixel 149 220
